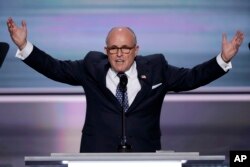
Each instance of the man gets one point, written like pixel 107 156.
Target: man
pixel 149 79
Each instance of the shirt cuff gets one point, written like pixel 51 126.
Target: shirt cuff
pixel 225 66
pixel 23 54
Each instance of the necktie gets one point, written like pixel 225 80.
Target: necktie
pixel 119 92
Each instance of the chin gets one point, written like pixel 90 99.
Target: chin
pixel 120 69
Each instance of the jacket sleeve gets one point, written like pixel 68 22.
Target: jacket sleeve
pixel 68 72
pixel 184 79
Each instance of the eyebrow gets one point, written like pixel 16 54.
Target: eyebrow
pixel 123 46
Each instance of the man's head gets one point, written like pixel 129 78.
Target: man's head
pixel 121 48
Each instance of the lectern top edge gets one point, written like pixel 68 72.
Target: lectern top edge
pixel 114 158
pixel 165 153
pixel 124 158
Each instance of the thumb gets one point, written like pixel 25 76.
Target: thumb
pixel 224 38
pixel 24 25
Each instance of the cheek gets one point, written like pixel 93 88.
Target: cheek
pixel 131 59
pixel 110 58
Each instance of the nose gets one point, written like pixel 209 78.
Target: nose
pixel 119 53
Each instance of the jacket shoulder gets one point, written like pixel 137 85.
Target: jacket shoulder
pixel 95 56
pixel 153 59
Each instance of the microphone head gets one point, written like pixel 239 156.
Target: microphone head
pixel 123 81
pixel 4 47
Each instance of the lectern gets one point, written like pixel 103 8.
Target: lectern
pixel 158 159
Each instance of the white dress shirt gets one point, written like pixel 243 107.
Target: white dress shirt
pixel 133 86
pixel 112 80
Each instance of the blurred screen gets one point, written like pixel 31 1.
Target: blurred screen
pixel 186 32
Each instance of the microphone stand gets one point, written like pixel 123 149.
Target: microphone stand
pixel 124 146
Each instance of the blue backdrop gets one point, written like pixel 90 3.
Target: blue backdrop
pixel 186 32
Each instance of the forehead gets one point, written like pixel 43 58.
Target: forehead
pixel 120 36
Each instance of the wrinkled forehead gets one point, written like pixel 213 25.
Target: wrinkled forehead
pixel 121 35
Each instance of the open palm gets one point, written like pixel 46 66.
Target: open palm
pixel 18 34
pixel 230 48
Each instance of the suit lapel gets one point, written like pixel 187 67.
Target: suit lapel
pixel 102 70
pixel 144 78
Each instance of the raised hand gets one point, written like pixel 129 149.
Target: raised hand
pixel 18 34
pixel 230 48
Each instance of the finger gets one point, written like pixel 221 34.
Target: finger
pixel 239 38
pixel 235 37
pixel 9 22
pixel 240 35
pixel 12 23
pixel 9 19
pixel 235 41
pixel 9 25
pixel 24 25
pixel 224 37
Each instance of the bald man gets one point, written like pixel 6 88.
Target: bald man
pixel 149 78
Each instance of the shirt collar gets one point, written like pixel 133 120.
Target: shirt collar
pixel 130 72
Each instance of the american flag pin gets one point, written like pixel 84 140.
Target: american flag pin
pixel 143 77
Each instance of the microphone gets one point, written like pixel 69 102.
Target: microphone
pixel 4 47
pixel 123 146
pixel 123 81
pixel 249 45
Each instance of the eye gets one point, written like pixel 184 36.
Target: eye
pixel 125 50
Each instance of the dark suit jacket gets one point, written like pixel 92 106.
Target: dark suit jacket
pixel 102 129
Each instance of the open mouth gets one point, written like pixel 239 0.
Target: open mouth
pixel 119 61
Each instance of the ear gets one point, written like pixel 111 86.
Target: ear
pixel 136 50
pixel 105 50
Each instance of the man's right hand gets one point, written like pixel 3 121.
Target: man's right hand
pixel 18 34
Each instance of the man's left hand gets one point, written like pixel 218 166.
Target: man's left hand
pixel 230 48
